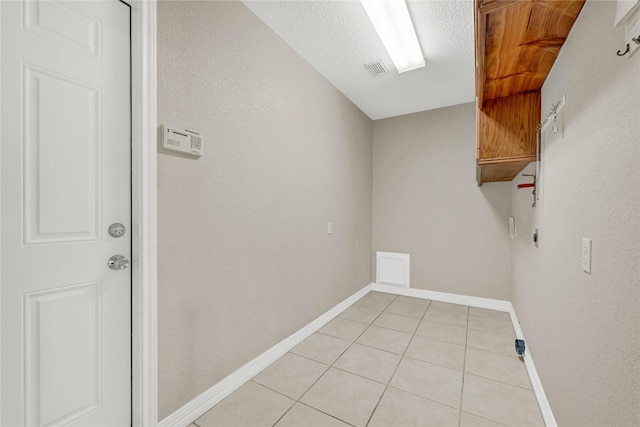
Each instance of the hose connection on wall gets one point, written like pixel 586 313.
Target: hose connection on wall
pixel 530 185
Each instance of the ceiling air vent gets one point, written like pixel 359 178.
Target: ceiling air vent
pixel 377 68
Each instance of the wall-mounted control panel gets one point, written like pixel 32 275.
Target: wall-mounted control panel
pixel 181 140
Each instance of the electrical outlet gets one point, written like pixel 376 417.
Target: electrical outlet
pixel 586 255
pixel 329 228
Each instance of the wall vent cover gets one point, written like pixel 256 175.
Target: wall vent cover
pixel 393 269
pixel 376 68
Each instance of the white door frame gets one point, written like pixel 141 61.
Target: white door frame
pixel 144 203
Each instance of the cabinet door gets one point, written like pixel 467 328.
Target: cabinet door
pixel 507 136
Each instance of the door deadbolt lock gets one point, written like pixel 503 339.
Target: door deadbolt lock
pixel 118 262
pixel 117 230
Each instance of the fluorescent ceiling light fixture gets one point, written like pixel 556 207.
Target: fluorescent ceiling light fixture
pixel 392 21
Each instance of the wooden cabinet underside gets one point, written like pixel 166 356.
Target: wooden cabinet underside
pixel 517 42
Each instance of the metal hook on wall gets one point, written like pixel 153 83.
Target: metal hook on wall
pixel 552 117
pixel 627 49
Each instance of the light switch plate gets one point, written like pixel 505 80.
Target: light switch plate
pixel 586 255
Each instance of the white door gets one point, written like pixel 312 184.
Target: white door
pixel 64 179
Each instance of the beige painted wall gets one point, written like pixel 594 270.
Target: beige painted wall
pixel 244 255
pixel 426 203
pixel 584 329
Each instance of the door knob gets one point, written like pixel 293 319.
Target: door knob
pixel 118 262
pixel 117 230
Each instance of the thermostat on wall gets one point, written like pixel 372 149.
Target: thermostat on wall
pixel 182 141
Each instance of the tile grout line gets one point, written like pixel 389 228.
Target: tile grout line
pixel 403 355
pixel 423 398
pixel 464 367
pixel 396 369
pixel 281 394
pixel 308 358
pixel 272 389
pixel 326 370
pixel 326 413
pixel 361 376
pixel 441 340
pixel 343 370
pixel 385 351
pixel 487 419
pixel 371 346
pixel 383 311
pixel 298 401
pixel 370 379
pixel 341 354
pixel 500 382
pixel 378 326
pixel 433 363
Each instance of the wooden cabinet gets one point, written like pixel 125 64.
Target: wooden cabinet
pixel 507 136
pixel 516 42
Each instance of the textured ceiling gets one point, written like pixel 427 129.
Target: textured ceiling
pixel 337 38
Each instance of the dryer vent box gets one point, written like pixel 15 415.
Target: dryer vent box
pixel 181 140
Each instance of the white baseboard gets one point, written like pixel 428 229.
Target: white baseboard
pixel 201 404
pixel 492 304
pixel 543 403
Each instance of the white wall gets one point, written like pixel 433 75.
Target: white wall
pixel 584 329
pixel 426 203
pixel 244 255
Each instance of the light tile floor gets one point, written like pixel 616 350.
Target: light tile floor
pixel 392 361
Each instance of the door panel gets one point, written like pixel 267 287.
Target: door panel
pixel 51 215
pixel 62 20
pixel 52 359
pixel 65 171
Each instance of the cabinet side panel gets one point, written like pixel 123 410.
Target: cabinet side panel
pixel 508 126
